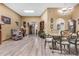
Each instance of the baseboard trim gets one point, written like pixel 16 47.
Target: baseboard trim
pixel 6 39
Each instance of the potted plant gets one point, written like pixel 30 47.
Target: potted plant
pixel 41 34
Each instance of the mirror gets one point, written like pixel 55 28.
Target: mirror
pixel 72 26
pixel 60 24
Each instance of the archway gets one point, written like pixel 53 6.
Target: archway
pixel 72 25
pixel 60 24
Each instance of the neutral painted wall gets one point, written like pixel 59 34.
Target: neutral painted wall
pixel 31 19
pixel 6 28
pixel 75 16
pixel 53 13
pixel 44 17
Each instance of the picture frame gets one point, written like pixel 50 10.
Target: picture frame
pixel 6 20
pixel 51 24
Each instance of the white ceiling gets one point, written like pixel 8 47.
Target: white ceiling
pixel 37 7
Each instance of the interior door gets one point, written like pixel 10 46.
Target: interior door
pixel 30 29
pixel 41 25
pixel 0 33
pixel 72 26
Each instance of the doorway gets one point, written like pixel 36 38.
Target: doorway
pixel 72 26
pixel 41 25
pixel 0 34
pixel 32 29
pixel 59 24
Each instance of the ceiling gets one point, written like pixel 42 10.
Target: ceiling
pixel 39 8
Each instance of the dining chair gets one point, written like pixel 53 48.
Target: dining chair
pixel 55 40
pixel 75 41
pixel 64 40
pixel 48 39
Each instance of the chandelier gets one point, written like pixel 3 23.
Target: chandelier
pixel 65 11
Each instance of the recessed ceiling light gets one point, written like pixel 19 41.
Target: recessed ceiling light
pixel 29 11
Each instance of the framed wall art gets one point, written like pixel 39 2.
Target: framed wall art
pixel 6 20
pixel 51 24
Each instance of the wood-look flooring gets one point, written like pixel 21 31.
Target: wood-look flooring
pixel 29 46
